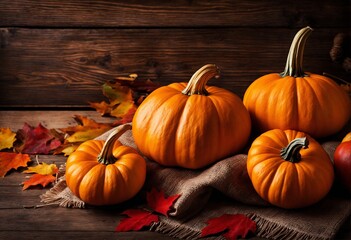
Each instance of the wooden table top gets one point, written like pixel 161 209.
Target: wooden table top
pixel 22 215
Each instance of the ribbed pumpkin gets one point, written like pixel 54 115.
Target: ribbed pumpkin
pixel 296 99
pixel 289 169
pixel 105 173
pixel 191 125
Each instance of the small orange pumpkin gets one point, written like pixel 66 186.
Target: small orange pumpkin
pixel 105 173
pixel 289 169
pixel 191 125
pixel 298 100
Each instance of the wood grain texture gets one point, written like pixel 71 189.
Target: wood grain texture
pixel 49 119
pixel 181 13
pixel 66 67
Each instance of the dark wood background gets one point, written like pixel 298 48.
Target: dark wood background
pixel 58 53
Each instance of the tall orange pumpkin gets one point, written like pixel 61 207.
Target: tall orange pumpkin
pixel 105 172
pixel 289 169
pixel 296 99
pixel 191 125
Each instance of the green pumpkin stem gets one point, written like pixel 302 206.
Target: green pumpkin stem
pixel 197 83
pixel 106 156
pixel 293 65
pixel 291 152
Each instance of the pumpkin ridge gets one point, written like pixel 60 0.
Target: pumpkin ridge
pixel 122 150
pixel 76 175
pixel 219 124
pixel 167 121
pixel 187 120
pixel 88 149
pixel 308 87
pixel 111 190
pixel 92 183
pixel 281 182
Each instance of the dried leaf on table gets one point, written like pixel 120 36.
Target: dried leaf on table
pixel 137 219
pixel 230 226
pixel 10 161
pixel 7 138
pixel 127 117
pixel 37 140
pixel 43 168
pixel 124 95
pixel 159 202
pixel 118 95
pixel 86 129
pixel 38 179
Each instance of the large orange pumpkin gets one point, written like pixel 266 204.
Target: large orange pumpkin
pixel 191 125
pixel 105 173
pixel 296 99
pixel 289 169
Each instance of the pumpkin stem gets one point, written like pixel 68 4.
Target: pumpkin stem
pixel 292 151
pixel 293 65
pixel 106 157
pixel 197 83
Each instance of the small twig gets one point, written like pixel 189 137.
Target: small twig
pixel 38 206
pixel 37 159
pixel 131 77
pixel 56 177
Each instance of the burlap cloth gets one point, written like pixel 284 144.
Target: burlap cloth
pixel 225 187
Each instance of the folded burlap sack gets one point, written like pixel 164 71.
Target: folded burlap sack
pixel 225 187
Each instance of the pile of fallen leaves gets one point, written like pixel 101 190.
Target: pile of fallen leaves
pixel 124 94
pixel 17 149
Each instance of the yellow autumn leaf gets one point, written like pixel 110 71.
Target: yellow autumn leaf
pixel 88 134
pixel 86 130
pixel 7 138
pixel 43 169
pixel 123 109
pixel 67 148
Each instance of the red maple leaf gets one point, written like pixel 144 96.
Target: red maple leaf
pixel 39 140
pixel 137 219
pixel 232 225
pixel 159 202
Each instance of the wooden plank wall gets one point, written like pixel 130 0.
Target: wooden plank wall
pixel 57 53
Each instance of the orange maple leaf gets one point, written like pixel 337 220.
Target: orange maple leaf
pixel 86 129
pixel 10 161
pixel 38 179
